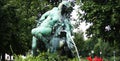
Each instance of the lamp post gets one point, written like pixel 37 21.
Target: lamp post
pixel 100 54
pixel 92 53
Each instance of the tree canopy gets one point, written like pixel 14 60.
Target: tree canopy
pixel 105 16
pixel 18 17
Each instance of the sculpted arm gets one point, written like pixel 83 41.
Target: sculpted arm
pixel 43 17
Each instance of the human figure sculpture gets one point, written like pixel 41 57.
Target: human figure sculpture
pixel 47 23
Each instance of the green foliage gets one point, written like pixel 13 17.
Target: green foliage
pixel 45 57
pixel 103 13
pixel 17 19
pixel 79 41
pixel 116 58
pixel 103 47
pixel 88 47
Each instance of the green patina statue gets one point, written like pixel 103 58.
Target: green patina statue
pixel 54 29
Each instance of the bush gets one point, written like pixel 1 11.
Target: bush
pixel 44 57
pixel 116 58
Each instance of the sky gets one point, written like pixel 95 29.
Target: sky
pixel 83 25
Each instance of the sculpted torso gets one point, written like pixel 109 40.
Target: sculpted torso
pixel 45 28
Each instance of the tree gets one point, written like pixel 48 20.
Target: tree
pixel 105 16
pixel 79 40
pixel 18 17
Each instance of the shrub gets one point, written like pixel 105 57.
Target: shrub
pixel 44 57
